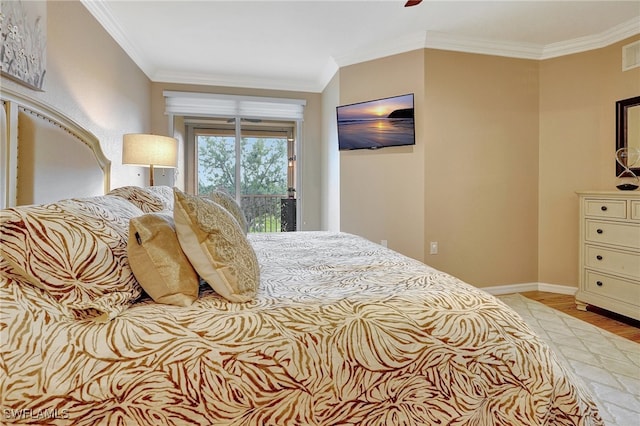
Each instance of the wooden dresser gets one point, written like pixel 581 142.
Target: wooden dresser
pixel 610 252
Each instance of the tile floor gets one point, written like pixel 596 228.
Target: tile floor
pixel 608 364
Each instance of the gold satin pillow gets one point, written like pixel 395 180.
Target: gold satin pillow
pixel 157 261
pixel 216 246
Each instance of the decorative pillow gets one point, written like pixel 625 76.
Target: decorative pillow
pixel 146 199
pixel 216 246
pixel 76 250
pixel 164 193
pixel 229 203
pixel 157 260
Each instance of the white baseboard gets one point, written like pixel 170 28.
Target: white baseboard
pixel 519 288
pixel 556 288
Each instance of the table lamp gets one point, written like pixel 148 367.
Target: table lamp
pixel 149 150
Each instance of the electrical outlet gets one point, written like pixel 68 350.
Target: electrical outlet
pixel 433 247
pixel 383 243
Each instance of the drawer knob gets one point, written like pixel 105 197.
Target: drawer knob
pixel 603 208
pixel 599 231
pixel 599 283
pixel 599 257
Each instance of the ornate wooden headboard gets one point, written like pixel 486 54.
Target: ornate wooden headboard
pixel 45 156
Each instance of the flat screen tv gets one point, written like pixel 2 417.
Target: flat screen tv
pixel 376 124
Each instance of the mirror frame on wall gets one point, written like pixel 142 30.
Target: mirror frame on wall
pixel 622 125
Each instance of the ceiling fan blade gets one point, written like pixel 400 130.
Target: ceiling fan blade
pixel 412 3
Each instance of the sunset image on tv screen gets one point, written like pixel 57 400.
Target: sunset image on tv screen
pixel 376 124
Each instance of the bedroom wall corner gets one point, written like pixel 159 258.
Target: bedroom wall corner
pixel 330 161
pixel 382 191
pixel 577 146
pixel 481 166
pixel 93 81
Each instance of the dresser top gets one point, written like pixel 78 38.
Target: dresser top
pixel 621 194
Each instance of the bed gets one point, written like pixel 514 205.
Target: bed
pixel 337 331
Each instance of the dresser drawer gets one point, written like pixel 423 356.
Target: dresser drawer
pixel 616 262
pixel 635 210
pixel 613 209
pixel 623 234
pixel 614 288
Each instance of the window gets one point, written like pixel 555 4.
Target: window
pixel 254 162
pixel 253 129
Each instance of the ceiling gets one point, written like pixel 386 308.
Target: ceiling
pixel 299 45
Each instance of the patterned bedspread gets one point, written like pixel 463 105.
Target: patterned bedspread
pixel 343 332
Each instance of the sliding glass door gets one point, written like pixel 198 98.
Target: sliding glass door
pixel 252 160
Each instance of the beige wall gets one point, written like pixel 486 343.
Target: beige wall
pixel 382 191
pixel 92 80
pixel 481 166
pixel 470 182
pixel 330 170
pixel 502 146
pixel 577 145
pixel 309 199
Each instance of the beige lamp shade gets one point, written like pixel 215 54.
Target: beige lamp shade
pixel 145 150
pixel 149 151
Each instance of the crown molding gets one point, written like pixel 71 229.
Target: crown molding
pixel 596 41
pixel 419 40
pixel 330 69
pixel 378 50
pixel 100 11
pixel 443 41
pixel 180 77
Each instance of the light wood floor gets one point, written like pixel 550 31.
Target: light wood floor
pixel 614 323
